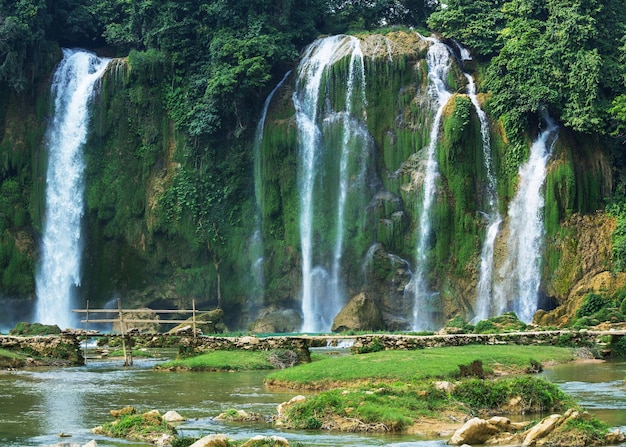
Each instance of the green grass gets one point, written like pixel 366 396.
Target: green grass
pixel 10 354
pixel 416 365
pixel 222 361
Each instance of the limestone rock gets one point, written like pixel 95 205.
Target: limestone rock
pixel 445 386
pixel 240 416
pixel 276 441
pixel 361 314
pixel 541 430
pixel 123 411
pixel 211 441
pixel 474 431
pixel 273 321
pixel 281 408
pixel 173 416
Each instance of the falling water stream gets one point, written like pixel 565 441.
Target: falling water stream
pixel 323 293
pixel 256 241
pixel 438 60
pixel 520 275
pixel 492 215
pixel 59 271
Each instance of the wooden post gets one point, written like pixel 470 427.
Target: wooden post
pixel 86 330
pixel 128 357
pixel 193 319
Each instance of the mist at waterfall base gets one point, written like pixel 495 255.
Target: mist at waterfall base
pixel 58 274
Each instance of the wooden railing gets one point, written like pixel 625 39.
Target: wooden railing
pixel 123 319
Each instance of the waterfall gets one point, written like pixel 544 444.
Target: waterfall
pixel 493 218
pixel 323 293
pixel 520 276
pixel 256 241
pixel 59 271
pixel 438 59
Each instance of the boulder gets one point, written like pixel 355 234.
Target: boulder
pixel 273 321
pixel 445 386
pixel 173 416
pixel 211 441
pixel 280 409
pixel 240 416
pixel 360 314
pixel 474 431
pixel 541 430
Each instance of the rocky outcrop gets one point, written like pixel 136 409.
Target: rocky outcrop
pixel 551 431
pixel 360 314
pixel 48 349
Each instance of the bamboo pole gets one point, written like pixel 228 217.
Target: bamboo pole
pixel 86 330
pixel 128 358
pixel 193 319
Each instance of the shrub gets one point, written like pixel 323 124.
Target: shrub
pixel 537 393
pixel 283 358
pixel 485 327
pixel 34 329
pixel 592 303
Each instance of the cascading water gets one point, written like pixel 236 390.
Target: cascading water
pixel 59 272
pixel 438 59
pixel 256 241
pixel 323 293
pixel 493 218
pixel 520 276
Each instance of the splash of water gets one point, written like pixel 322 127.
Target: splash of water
pixel 438 60
pixel 520 276
pixel 59 272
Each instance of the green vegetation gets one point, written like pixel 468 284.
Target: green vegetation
pixel 413 366
pixel 138 427
pixel 364 388
pixel 222 361
pixel 26 329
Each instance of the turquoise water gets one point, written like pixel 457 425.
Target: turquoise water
pixel 37 405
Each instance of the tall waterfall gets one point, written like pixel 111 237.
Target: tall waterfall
pixel 333 154
pixel 492 214
pixel 438 59
pixel 59 272
pixel 256 241
pixel 520 275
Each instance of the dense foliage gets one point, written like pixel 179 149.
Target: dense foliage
pixel 207 66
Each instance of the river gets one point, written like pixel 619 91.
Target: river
pixel 37 405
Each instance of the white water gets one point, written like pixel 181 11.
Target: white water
pixel 59 272
pixel 438 59
pixel 322 291
pixel 492 215
pixel 520 276
pixel 256 241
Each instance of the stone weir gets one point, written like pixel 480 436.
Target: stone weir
pixel 61 349
pixel 189 345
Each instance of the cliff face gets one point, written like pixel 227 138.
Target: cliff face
pixel 170 217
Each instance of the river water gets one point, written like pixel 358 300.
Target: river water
pixel 37 405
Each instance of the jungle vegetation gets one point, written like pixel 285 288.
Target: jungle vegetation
pixel 211 63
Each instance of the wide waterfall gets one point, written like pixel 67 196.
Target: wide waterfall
pixel 519 277
pixel 438 59
pixel 334 146
pixel 59 272
pixel 492 214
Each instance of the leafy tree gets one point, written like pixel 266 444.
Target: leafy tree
pixel 476 24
